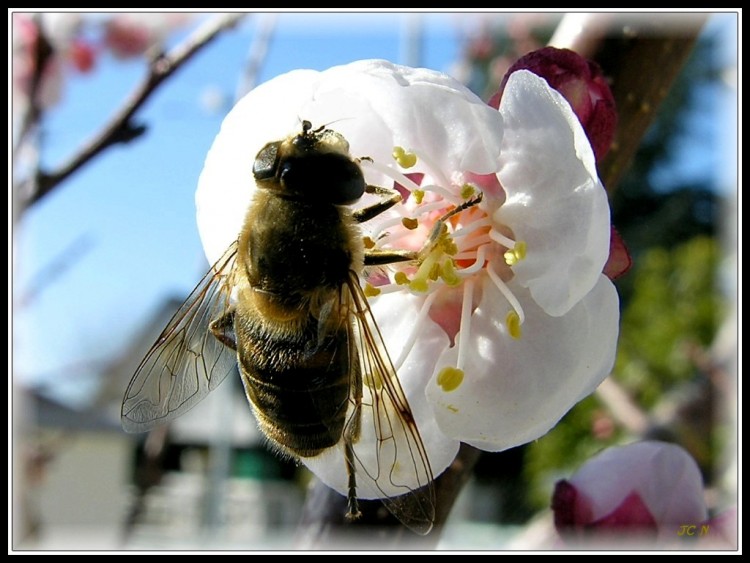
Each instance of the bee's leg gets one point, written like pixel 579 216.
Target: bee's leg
pixel 439 226
pixel 352 509
pixel 223 329
pixel 381 257
pixel 351 436
pixel 390 198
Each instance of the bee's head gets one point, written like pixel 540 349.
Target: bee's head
pixel 313 165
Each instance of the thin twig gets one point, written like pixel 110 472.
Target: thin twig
pixel 257 54
pixel 120 128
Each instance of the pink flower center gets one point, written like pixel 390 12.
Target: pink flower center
pixel 448 222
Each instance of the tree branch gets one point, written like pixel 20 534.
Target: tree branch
pixel 120 127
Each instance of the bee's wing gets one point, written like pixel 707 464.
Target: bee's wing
pixel 187 361
pixel 400 459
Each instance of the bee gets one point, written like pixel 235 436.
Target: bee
pixel 284 304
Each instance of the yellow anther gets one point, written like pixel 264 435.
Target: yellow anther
pixel 419 285
pixel 418 196
pixel 448 273
pixel 513 322
pixel 467 190
pixel 370 290
pixel 450 378
pixel 404 159
pixel 434 272
pixel 410 223
pixel 520 249
pixel 516 254
pixel 401 278
pixel 428 270
pixel 368 242
pixel 448 246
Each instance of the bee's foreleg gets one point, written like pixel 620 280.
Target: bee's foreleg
pixel 390 198
pixel 381 257
pixel 223 329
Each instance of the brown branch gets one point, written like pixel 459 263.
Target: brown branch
pixel 641 55
pixel 121 128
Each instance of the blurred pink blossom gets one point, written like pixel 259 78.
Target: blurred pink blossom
pixel 131 35
pixel 640 495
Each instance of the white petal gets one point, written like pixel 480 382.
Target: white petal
pixel 555 202
pixel 395 315
pixel 376 105
pixel 664 475
pixel 515 391
pixel 226 183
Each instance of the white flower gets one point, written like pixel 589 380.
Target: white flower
pixel 627 492
pixel 507 321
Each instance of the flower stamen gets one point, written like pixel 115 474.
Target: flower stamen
pixel 473 226
pixel 465 326
pixel 403 158
pixel 500 238
pixel 395 175
pixel 415 330
pixel 394 221
pixel 371 291
pixel 442 192
pixel 449 378
pixel 449 274
pixel 467 190
pixel 513 325
pixel 409 223
pixel 481 255
pixel 514 255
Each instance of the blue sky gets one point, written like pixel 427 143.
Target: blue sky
pixel 131 210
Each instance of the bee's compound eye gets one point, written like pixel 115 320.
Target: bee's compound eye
pixel 329 177
pixel 347 184
pixel 266 163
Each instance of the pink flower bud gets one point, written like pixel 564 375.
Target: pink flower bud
pixel 581 83
pixel 643 492
pixel 619 261
pixel 126 38
pixel 82 55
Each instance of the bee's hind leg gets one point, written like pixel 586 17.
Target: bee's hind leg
pixel 352 509
pixel 351 436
